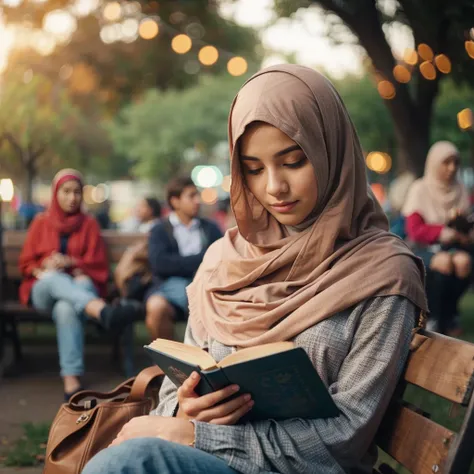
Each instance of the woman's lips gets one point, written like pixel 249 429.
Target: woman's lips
pixel 284 206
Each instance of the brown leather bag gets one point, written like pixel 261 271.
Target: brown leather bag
pixel 90 421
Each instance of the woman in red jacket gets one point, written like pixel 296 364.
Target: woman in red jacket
pixel 65 270
pixel 431 203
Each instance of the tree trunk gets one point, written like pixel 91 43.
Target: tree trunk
pixel 30 168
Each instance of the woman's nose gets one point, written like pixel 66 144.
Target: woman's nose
pixel 276 185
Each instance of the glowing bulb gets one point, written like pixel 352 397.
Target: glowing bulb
pixel 386 89
pixel 237 66
pixel 465 119
pixel 425 52
pixel 401 74
pixel 427 70
pixel 208 55
pixel 410 56
pixel 112 11
pixel 469 45
pixel 181 44
pixel 443 63
pixel 148 29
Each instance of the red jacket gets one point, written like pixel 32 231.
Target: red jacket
pixel 85 245
pixel 420 232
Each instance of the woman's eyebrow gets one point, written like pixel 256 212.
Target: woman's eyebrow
pixel 276 155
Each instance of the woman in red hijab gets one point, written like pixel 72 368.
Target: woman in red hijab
pixel 65 270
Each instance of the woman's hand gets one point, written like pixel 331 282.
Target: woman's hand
pixel 53 262
pixel 448 235
pixel 209 408
pixel 164 427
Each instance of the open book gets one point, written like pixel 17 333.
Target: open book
pixel 279 376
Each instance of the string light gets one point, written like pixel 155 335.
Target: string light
pixel 112 11
pixel 443 63
pixel 237 66
pixel 401 74
pixel 208 55
pixel 386 89
pixel 425 52
pixel 379 162
pixel 465 119
pixel 181 44
pixel 427 70
pixel 410 56
pixel 148 29
pixel 469 45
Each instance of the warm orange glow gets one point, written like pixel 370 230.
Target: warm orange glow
pixel 465 119
pixel 181 44
pixel 379 162
pixel 209 196
pixel 226 181
pixel 379 192
pixel 443 63
pixel 425 52
pixel 112 11
pixel 208 55
pixel 410 56
pixel 469 45
pixel 148 29
pixel 386 90
pixel 427 70
pixel 401 73
pixel 237 66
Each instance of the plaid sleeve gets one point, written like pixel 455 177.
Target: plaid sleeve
pixel 378 335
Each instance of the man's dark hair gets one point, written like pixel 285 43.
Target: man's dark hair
pixel 154 205
pixel 177 186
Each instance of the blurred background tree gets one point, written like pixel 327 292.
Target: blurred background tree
pixel 442 27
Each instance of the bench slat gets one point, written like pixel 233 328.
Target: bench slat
pixel 443 366
pixel 414 441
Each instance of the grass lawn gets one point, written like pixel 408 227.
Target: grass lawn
pixel 29 450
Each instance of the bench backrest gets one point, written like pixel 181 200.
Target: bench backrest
pixel 13 241
pixel 445 367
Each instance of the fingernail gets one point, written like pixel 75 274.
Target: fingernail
pixel 251 404
pixel 235 388
pixel 247 397
pixel 194 375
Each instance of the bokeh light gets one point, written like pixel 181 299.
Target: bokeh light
pixel 425 52
pixel 181 44
pixel 469 45
pixel 112 11
pixel 226 182
pixel 59 23
pixel 410 56
pixel 7 191
pixel 386 89
pixel 427 70
pixel 209 196
pixel 379 162
pixel 148 29
pixel 465 119
pixel 401 74
pixel 237 66
pixel 443 63
pixel 208 55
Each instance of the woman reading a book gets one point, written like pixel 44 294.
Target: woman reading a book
pixel 310 261
pixel 65 269
pixel 432 203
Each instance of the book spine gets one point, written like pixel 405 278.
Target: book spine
pixel 217 379
pixel 204 387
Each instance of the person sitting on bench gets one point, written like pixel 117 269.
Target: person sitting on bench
pixel 176 247
pixel 311 261
pixel 65 271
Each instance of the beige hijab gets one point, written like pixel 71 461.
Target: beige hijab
pixel 430 197
pixel 262 284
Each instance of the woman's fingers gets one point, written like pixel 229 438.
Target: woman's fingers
pixel 224 409
pixel 187 389
pixel 200 404
pixel 235 416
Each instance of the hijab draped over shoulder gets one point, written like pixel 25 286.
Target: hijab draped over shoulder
pixel 263 282
pixel 63 222
pixel 429 196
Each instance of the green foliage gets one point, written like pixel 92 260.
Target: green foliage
pixel 29 450
pixel 156 131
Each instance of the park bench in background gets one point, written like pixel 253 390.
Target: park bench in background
pixel 13 313
pixel 445 367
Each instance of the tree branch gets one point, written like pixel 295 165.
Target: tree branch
pixel 13 143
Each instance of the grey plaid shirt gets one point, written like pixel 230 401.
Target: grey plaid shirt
pixel 359 353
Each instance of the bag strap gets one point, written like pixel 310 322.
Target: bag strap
pixel 142 381
pixel 123 388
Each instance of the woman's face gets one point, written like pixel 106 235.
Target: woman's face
pixel 448 169
pixel 278 173
pixel 70 196
pixel 144 211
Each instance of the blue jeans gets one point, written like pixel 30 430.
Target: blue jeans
pixel 66 299
pixel 155 456
pixel 173 290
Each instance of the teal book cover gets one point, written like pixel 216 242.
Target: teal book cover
pixel 280 377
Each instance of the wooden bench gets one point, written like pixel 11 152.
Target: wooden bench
pixel 445 367
pixel 12 312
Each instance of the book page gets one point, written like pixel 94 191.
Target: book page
pixel 257 352
pixel 191 354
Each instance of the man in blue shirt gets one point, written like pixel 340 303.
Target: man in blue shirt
pixel 176 247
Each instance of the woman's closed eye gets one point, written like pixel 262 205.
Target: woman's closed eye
pixel 292 165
